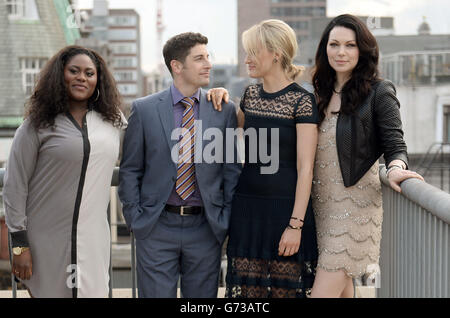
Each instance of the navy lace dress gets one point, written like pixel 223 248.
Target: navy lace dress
pixel 263 203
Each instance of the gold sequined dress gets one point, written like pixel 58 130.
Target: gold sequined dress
pixel 348 220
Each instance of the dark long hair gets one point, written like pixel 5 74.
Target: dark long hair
pixel 366 72
pixel 50 94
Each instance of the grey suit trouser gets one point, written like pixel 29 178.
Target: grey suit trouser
pixel 178 245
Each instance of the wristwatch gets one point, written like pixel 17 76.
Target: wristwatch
pixel 19 250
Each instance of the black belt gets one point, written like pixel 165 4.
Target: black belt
pixel 184 210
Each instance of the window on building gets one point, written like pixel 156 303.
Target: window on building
pixel 125 76
pixel 298 25
pixel 422 65
pixel 447 123
pixel 289 11
pixel 127 89
pixel 318 12
pixel 15 8
pixel 122 20
pixel 22 9
pixel 121 62
pixel 296 11
pixel 30 68
pixel 439 64
pixel 124 48
pixel 122 34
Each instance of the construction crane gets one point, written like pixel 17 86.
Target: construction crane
pixel 160 27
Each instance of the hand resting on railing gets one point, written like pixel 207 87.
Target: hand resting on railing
pixel 397 176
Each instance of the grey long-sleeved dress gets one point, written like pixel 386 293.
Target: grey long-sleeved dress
pixel 56 194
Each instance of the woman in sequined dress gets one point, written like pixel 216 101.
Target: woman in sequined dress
pixel 359 121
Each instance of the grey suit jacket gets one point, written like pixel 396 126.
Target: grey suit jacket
pixel 148 173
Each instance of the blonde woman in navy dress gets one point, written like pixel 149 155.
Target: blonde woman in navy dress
pixel 272 249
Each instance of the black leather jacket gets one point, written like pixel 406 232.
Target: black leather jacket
pixel 375 129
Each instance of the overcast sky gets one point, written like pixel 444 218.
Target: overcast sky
pixel 217 20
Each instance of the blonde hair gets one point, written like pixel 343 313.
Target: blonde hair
pixel 275 36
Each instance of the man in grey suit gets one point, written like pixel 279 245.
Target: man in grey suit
pixel 178 208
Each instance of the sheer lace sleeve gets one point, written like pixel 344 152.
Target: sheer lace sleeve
pixel 306 111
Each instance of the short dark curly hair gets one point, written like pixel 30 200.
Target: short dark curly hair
pixel 179 47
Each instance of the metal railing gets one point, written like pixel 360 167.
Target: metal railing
pixel 115 183
pixel 415 259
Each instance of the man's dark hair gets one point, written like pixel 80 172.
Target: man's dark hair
pixel 179 47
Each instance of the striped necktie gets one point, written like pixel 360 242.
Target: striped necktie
pixel 185 184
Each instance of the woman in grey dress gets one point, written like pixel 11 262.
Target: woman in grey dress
pixel 58 178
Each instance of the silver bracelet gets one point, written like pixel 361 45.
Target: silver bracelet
pixel 393 167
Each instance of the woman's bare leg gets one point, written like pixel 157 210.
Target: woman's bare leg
pixel 348 291
pixel 329 284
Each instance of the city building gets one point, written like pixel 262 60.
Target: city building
pixel 221 75
pixel 154 82
pixel 100 47
pixel 419 66
pixel 31 31
pixel 120 30
pixel 297 13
